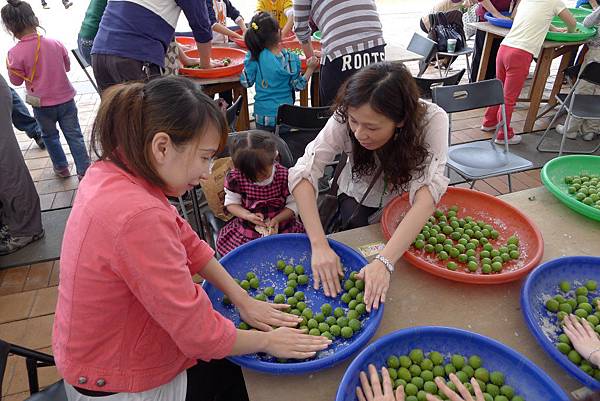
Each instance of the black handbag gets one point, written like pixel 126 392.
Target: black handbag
pixel 328 203
pixel 442 30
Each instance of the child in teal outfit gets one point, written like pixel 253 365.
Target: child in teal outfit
pixel 276 72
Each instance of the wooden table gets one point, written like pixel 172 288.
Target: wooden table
pixel 550 50
pixel 417 298
pixel 400 54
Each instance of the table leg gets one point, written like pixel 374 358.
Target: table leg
pixel 537 89
pixel 304 96
pixel 243 122
pixel 485 55
pixel 558 82
pixel 314 88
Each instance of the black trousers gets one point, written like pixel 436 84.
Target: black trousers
pixel 491 69
pixel 110 70
pixel 347 207
pixel 217 380
pixel 19 200
pixel 334 73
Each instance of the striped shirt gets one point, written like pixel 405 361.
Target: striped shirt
pixel 347 26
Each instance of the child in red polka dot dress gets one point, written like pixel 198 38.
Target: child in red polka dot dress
pixel 256 193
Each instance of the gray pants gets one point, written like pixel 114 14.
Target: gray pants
pixel 19 200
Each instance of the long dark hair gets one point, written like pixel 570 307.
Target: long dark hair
pixel 253 152
pixel 131 114
pixel 389 89
pixel 262 33
pixel 18 16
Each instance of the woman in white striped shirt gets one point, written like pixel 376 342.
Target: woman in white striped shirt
pixel 352 38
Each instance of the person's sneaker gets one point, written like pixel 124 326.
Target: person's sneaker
pixel 4 233
pixel 45 6
pixel 67 4
pixel 62 172
pixel 588 136
pixel 560 129
pixel 488 129
pixel 12 244
pixel 511 141
pixel 39 142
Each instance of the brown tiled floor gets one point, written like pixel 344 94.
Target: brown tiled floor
pixel 28 293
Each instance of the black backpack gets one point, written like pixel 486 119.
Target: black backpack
pixel 446 26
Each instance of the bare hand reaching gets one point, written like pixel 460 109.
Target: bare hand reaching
pixel 583 337
pixel 371 389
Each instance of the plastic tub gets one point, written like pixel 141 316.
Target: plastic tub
pixel 503 23
pixel 557 169
pixel 527 379
pixel 543 324
pixel 260 257
pixel 508 220
pixel 582 33
pixel 235 55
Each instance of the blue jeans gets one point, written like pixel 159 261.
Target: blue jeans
pixel 85 48
pixel 65 115
pixel 21 117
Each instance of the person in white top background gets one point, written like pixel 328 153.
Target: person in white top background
pixel 394 140
pixel 524 41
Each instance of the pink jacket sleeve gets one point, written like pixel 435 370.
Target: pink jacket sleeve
pixel 152 256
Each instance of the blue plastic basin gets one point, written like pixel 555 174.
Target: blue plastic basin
pixel 544 281
pixel 527 379
pixel 260 256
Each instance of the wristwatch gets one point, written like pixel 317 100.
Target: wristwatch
pixel 386 262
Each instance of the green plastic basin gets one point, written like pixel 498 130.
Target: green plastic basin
pixel 553 177
pixel 582 33
pixel 316 35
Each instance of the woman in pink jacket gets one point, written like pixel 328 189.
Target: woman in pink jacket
pixel 130 322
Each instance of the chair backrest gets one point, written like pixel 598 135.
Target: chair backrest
pixel 233 112
pixel 300 117
pixel 591 73
pixel 305 124
pixel 285 156
pixel 84 66
pixel 471 96
pixel 79 57
pixel 422 46
pixel 427 84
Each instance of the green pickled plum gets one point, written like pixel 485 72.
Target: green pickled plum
pixel 347 332
pixel 497 378
pixel 565 286
pixel 416 355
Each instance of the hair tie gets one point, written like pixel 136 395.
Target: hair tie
pixel 254 26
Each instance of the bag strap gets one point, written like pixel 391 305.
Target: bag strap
pixel 357 207
pixel 336 175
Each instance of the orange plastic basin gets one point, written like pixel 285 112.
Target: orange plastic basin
pixel 291 37
pixel 506 219
pixel 297 45
pixel 237 63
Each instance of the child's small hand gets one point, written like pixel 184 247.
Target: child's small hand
pixel 312 63
pixel 255 218
pixel 273 225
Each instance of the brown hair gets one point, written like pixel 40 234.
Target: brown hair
pixel 253 152
pixel 18 16
pixel 131 114
pixel 389 89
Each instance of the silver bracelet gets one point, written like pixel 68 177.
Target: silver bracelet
pixel 386 262
pixel 589 358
